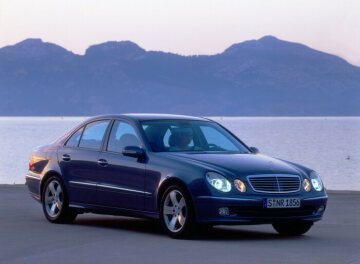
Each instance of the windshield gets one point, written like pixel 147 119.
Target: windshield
pixel 190 136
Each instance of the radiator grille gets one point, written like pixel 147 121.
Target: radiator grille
pixel 275 183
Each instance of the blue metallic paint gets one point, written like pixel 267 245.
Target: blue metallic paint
pixel 129 186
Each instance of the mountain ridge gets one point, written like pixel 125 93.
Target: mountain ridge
pixel 267 76
pixel 268 39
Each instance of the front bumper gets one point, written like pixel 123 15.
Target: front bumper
pixel 251 211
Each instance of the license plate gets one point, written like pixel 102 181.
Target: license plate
pixel 281 203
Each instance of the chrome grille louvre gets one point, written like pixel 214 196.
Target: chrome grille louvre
pixel 274 183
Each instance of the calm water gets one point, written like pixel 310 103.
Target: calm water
pixel 329 145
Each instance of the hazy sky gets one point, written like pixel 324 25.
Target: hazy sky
pixel 184 26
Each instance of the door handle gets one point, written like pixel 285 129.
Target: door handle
pixel 103 162
pixel 66 157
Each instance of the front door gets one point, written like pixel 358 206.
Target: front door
pixel 121 178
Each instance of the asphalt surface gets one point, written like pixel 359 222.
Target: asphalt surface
pixel 26 237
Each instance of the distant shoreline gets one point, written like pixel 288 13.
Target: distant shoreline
pixel 227 117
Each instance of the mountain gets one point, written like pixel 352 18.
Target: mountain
pixel 263 77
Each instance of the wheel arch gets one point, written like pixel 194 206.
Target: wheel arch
pixel 46 177
pixel 167 183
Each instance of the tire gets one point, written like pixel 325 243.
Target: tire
pixel 177 213
pixel 292 228
pixel 55 202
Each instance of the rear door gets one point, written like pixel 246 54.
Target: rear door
pixel 121 178
pixel 78 160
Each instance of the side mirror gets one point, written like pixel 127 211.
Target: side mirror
pixel 133 151
pixel 254 150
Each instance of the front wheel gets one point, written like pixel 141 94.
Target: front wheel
pixel 292 228
pixel 176 212
pixel 55 202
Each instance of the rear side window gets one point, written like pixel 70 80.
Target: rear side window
pixel 75 138
pixel 122 135
pixel 93 135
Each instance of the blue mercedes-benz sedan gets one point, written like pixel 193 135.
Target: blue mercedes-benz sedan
pixel 188 172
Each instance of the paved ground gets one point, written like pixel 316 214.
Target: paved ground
pixel 26 237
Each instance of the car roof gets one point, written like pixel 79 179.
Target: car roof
pixel 144 117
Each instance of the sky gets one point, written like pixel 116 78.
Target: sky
pixel 186 27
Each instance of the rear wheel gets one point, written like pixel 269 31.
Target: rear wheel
pixel 56 203
pixel 292 228
pixel 176 212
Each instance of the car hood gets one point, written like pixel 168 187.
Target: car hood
pixel 241 164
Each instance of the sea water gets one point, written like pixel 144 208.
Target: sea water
pixel 329 145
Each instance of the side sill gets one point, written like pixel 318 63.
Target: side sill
pixel 88 208
pixel 219 198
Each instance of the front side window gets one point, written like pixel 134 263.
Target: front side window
pixel 74 139
pixel 190 136
pixel 122 135
pixel 93 135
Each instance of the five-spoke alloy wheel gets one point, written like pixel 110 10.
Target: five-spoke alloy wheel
pixel 55 202
pixel 54 198
pixel 176 212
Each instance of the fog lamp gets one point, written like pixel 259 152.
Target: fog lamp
pixel 320 209
pixel 224 211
